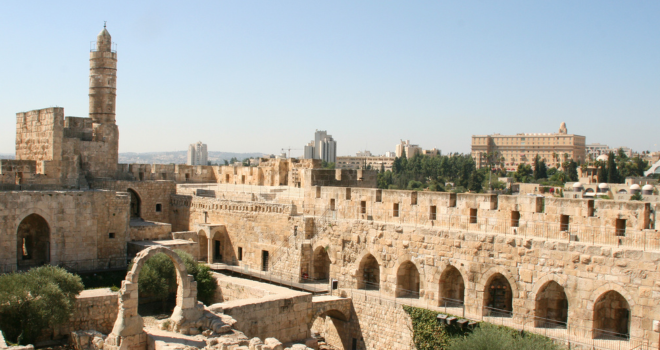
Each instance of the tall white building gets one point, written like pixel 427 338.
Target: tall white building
pixel 410 149
pixel 323 147
pixel 197 154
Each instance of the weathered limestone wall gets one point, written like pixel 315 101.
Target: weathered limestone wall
pixel 180 173
pixel 339 178
pixel 95 309
pixel 281 316
pixel 253 227
pixel 375 324
pixel 584 271
pixel 79 224
pixel 151 193
pixel 149 230
pixel 39 134
pixel 559 218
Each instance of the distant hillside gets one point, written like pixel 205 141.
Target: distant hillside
pixel 6 156
pixel 179 157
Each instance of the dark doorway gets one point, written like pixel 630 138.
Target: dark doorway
pixel 135 203
pixel 264 260
pixel 515 218
pixel 217 250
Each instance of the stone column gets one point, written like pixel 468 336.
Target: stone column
pixel 210 249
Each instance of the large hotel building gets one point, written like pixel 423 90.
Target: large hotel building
pixel 555 148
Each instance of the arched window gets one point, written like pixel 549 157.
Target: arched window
pixel 33 241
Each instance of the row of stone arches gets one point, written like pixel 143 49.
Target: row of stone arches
pixel 611 310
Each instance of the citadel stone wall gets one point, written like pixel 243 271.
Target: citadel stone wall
pixel 473 240
pixel 151 194
pixel 88 229
pixel 253 227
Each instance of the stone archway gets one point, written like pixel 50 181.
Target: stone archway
pixel 320 264
pixel 612 316
pixel 551 309
pixel 136 203
pixel 368 273
pixel 451 287
pixel 128 333
pixel 407 281
pixel 498 297
pixel 32 241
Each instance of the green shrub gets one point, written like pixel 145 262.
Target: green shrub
pixel 491 337
pixel 158 277
pixel 33 300
pixel 428 334
pixel 636 197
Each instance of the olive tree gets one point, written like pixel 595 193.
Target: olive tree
pixel 34 300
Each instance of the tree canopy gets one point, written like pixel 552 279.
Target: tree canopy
pixel 34 300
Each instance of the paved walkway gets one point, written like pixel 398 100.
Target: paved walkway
pixel 312 287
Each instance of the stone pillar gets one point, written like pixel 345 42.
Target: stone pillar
pixel 210 250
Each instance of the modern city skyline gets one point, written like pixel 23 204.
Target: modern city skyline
pixel 431 72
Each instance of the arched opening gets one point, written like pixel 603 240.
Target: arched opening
pixel 368 275
pixel 203 246
pixel 321 264
pixel 622 191
pixel 407 281
pixel 135 203
pixel 551 306
pixel 222 248
pixel 611 316
pixel 33 242
pixel 334 328
pixel 452 288
pixel 129 324
pixel 498 297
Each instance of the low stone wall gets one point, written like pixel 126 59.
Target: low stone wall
pixel 380 323
pixel 231 288
pixel 96 309
pixel 149 230
pixel 281 316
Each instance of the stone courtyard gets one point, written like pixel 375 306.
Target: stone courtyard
pixel 279 235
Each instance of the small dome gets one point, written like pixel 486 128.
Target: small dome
pixel 104 33
pixel 648 187
pixel 577 184
pixel 634 187
pixel 602 157
pixel 603 185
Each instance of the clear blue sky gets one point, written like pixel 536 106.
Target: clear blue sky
pixel 246 76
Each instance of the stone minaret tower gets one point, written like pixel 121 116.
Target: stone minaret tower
pixel 102 97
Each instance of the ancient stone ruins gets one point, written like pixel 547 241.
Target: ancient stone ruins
pixel 306 257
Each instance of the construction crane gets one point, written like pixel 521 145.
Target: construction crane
pixel 290 149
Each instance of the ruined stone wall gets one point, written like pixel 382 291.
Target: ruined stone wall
pixel 95 309
pixel 80 224
pixel 151 193
pixel 281 316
